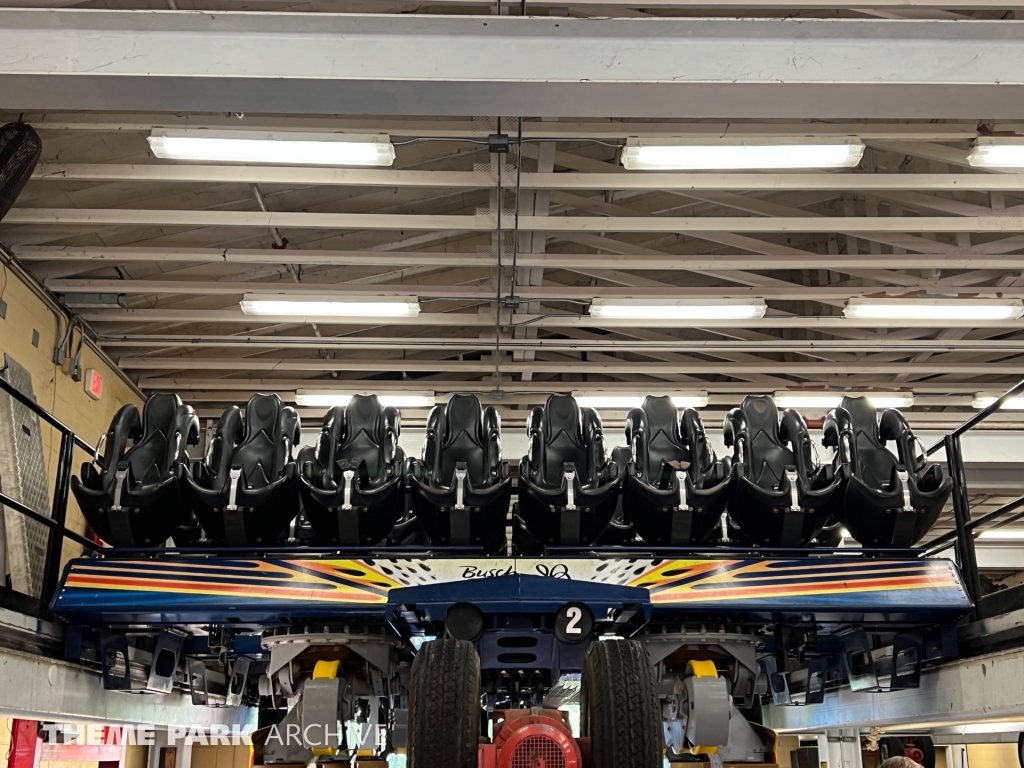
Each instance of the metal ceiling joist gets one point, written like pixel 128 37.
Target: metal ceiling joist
pixel 483 222
pixel 630 367
pixel 186 384
pixel 348 343
pixel 966 258
pixel 486 320
pixel 362 177
pixel 664 67
pixel 479 129
pixel 777 292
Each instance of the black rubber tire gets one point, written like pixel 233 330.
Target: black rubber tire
pixel 620 711
pixel 1020 750
pixel 927 747
pixel 889 746
pixel 444 705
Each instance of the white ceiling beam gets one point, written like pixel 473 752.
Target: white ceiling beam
pixel 479 129
pixel 805 346
pixel 631 367
pixel 967 258
pixel 655 181
pixel 486 320
pixel 187 384
pixel 484 222
pixel 664 67
pixel 777 291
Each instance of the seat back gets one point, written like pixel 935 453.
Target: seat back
pixel 463 432
pixel 664 451
pixel 766 456
pixel 361 436
pixel 561 433
pixel 870 460
pixel 168 427
pixel 271 430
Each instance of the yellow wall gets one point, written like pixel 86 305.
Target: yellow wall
pixel 992 756
pixel 220 756
pixel 54 389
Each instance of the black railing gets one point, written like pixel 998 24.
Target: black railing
pixel 57 522
pixel 968 529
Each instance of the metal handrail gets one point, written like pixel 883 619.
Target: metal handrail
pixel 45 415
pixel 57 524
pixel 979 417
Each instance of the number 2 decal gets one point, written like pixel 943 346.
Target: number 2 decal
pixel 573 614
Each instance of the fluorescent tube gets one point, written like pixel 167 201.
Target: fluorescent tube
pixel 740 154
pixel 274 147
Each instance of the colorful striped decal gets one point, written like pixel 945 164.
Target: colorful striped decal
pixel 182 588
pixel 344 581
pixel 695 581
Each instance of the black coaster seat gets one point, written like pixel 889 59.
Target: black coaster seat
pixel 130 495
pixel 568 484
pixel 888 502
pixel 675 489
pixel 352 483
pixel 461 489
pixel 245 492
pixel 778 495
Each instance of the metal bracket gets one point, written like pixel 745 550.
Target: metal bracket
pixel 165 661
pixel 236 682
pixel 119 477
pixel 347 503
pixel 570 480
pixel 904 477
pixel 858 662
pixel 794 491
pixel 460 487
pixel 235 474
pixel 114 657
pixel 197 682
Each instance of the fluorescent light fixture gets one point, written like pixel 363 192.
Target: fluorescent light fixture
pixel 330 306
pixel 991 152
pixel 1003 534
pixel 272 147
pixel 680 309
pixel 985 399
pixel 934 309
pixel 615 401
pixel 828 400
pixel 740 154
pixel 330 398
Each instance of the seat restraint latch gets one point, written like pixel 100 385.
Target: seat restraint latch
pixel 904 477
pixel 235 474
pixel 119 477
pixel 460 486
pixel 348 475
pixel 681 479
pixel 570 486
pixel 794 491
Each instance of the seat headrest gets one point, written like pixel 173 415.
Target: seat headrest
pixel 562 415
pixel 762 414
pixel 261 414
pixel 662 416
pixel 363 414
pixel 464 414
pixel 862 414
pixel 158 413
